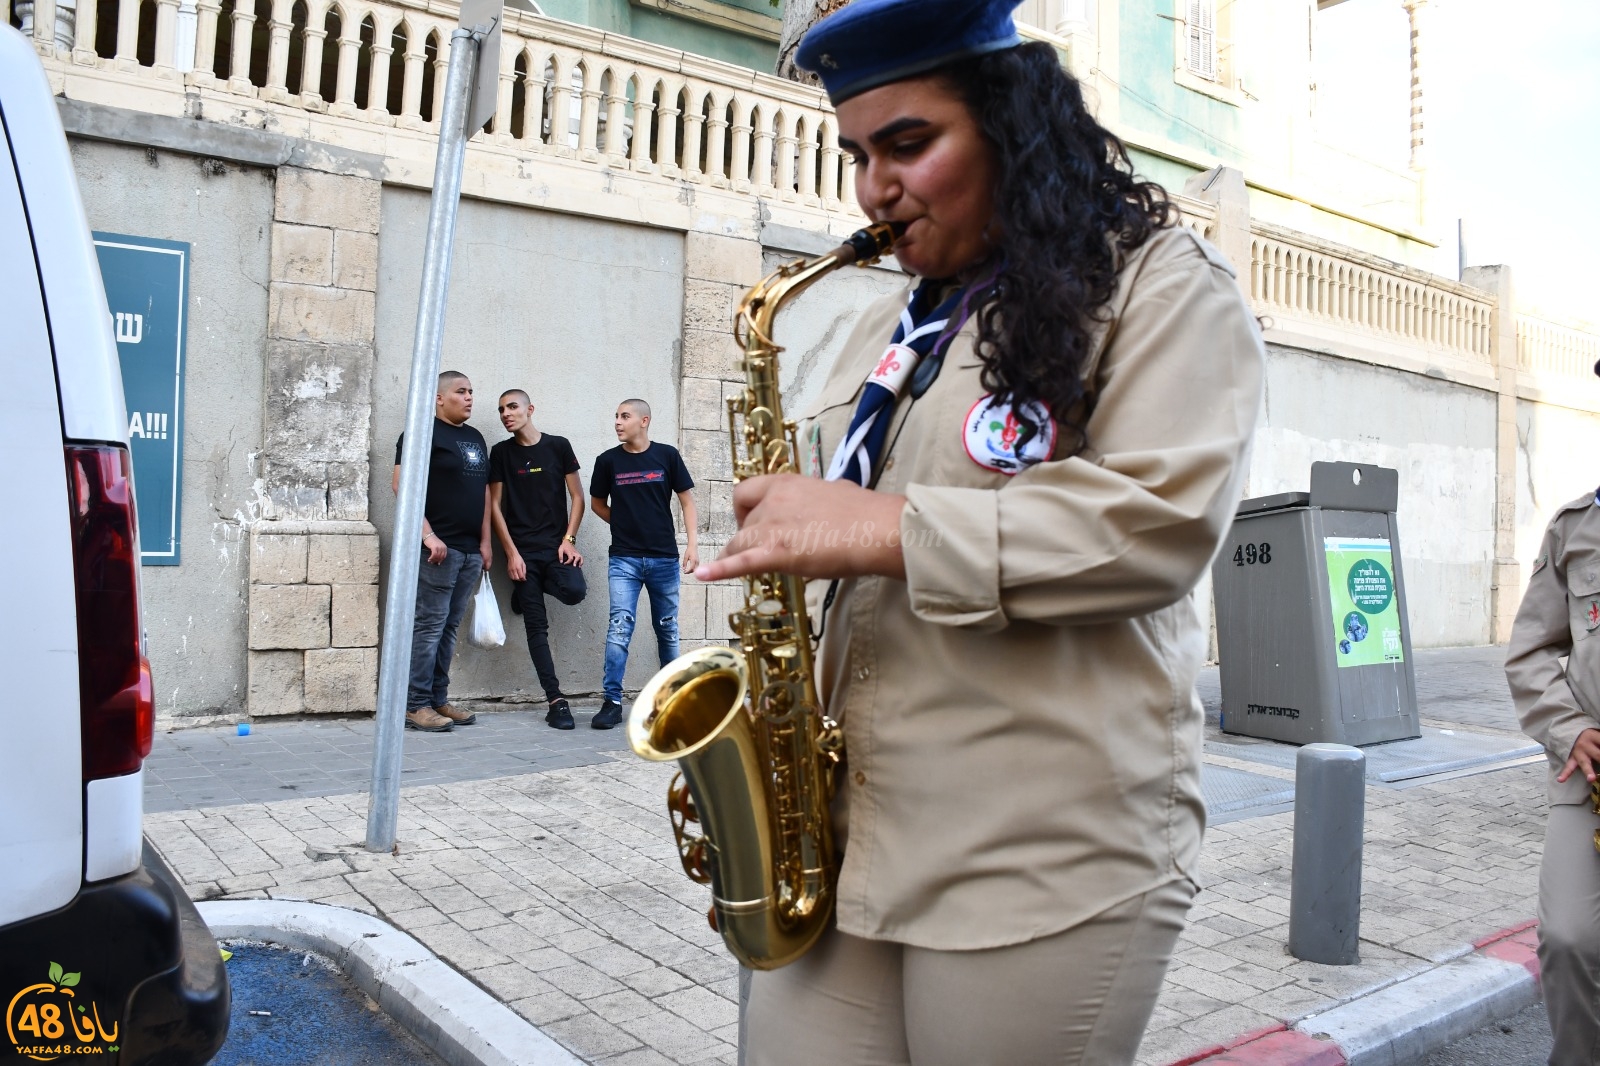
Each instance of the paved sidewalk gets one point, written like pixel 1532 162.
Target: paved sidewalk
pixel 540 865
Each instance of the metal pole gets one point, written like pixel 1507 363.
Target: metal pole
pixel 399 611
pixel 1330 798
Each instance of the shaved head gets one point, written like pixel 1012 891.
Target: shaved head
pixel 639 407
pixel 527 400
pixel 450 377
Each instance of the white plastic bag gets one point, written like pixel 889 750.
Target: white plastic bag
pixel 488 628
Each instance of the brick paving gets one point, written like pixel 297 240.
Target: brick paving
pixel 539 864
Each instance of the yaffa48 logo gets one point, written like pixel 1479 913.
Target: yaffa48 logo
pixel 46 1021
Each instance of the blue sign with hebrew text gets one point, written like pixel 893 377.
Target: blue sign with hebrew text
pixel 147 290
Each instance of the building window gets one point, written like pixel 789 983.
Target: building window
pixel 1200 31
pixel 1206 59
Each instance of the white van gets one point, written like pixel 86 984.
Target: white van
pixel 100 951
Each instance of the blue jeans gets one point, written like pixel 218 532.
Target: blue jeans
pixel 443 592
pixel 628 575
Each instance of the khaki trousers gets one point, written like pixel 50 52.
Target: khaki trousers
pixel 1079 998
pixel 1569 934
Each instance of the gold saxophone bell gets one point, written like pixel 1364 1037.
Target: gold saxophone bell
pixel 755 751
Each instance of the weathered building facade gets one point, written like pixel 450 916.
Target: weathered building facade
pixel 623 197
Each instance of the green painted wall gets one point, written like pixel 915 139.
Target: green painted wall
pixel 1166 173
pixel 1153 102
pixel 701 39
pixel 672 31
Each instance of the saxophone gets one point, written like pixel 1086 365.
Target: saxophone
pixel 754 749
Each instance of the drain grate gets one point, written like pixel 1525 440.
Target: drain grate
pixel 1437 751
pixel 1229 791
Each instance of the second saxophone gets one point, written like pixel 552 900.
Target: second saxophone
pixel 754 748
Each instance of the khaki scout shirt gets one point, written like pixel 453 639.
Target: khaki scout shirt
pixel 1022 729
pixel 1560 616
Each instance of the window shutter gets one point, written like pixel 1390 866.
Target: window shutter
pixel 1202 34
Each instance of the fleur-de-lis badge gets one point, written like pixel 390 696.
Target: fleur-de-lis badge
pixel 888 364
pixel 1592 615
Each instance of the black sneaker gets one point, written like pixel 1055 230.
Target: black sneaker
pixel 559 716
pixel 607 716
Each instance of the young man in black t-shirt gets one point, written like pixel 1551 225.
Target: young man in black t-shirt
pixel 455 546
pixel 632 489
pixel 531 478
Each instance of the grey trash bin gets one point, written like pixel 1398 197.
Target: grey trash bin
pixel 1312 630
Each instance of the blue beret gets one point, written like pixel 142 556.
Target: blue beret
pixel 869 43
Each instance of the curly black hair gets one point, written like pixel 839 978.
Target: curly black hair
pixel 1067 207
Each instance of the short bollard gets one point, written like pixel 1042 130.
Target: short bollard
pixel 1330 783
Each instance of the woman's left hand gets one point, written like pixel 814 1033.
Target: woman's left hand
pixel 811 528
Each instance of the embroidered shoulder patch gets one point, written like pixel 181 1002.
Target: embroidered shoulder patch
pixel 1542 562
pixel 992 434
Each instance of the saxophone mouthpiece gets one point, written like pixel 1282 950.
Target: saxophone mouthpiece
pixel 870 244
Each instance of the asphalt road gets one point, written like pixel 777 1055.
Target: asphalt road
pixel 313 1016
pixel 1521 1040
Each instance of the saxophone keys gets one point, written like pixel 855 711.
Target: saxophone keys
pixel 830 739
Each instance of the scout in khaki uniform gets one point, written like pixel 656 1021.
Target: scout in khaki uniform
pixel 1558 706
pixel 1028 458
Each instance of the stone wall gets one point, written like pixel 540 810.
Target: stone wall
pixel 313 555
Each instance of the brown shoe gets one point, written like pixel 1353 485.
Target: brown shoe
pixel 424 719
pixel 458 717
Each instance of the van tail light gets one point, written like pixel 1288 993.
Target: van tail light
pixel 116 699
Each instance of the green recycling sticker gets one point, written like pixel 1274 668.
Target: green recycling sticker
pixel 1366 611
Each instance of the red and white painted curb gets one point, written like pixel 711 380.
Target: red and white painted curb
pixel 1402 1022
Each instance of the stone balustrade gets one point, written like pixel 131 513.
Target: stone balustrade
pixel 1545 346
pixel 565 90
pixel 1298 280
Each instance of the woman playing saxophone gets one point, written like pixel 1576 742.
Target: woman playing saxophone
pixel 1028 459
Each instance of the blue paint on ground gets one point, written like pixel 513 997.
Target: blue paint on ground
pixel 319 1018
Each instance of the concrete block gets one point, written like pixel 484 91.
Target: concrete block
pixel 702 406
pixel 297 489
pixel 707 455
pixel 355 260
pixel 355 615
pixel 714 257
pixel 347 491
pixel 302 255
pixel 722 599
pixel 341 680
pixel 710 353
pixel 318 404
pixel 314 198
pixel 313 313
pixel 276 683
pixel 289 616
pixel 709 305
pixel 276 559
pixel 342 560
pixel 692 610
pixel 714 502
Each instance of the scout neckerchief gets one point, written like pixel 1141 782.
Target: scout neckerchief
pixel 916 336
pixel 914 341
